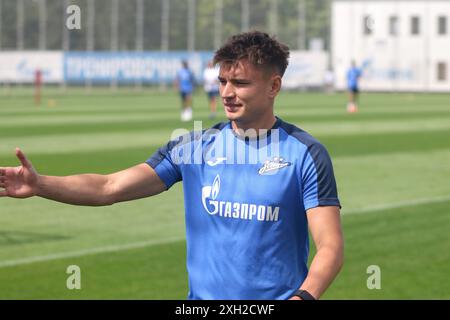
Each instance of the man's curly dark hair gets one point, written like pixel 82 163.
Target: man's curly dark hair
pixel 258 48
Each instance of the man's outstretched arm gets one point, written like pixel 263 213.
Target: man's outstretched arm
pixel 85 189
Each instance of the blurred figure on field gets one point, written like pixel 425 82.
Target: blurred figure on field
pixel 329 81
pixel 211 87
pixel 37 86
pixel 185 84
pixel 353 75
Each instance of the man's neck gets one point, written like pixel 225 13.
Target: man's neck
pixel 253 128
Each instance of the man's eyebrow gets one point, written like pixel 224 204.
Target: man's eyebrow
pixel 235 79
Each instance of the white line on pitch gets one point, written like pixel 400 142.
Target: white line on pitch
pixel 79 253
pixel 395 205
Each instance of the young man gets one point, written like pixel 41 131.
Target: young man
pixel 353 75
pixel 185 83
pixel 252 187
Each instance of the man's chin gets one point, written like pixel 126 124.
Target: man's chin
pixel 232 116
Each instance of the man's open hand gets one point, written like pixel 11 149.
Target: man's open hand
pixel 18 182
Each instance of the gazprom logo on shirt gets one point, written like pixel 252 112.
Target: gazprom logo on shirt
pixel 235 210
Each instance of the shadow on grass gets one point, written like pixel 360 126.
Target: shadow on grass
pixel 9 237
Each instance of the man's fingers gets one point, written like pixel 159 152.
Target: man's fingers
pixel 2 182
pixel 23 159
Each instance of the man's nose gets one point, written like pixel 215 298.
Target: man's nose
pixel 228 91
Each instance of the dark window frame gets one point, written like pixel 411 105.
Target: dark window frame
pixel 367 29
pixel 415 25
pixel 442 71
pixel 442 25
pixel 394 26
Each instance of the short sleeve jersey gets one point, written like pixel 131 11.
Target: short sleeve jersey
pixel 245 207
pixel 353 75
pixel 186 80
pixel 210 80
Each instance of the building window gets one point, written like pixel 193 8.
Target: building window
pixel 442 25
pixel 442 71
pixel 368 25
pixel 393 25
pixel 415 25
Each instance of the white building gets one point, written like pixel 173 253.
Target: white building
pixel 402 45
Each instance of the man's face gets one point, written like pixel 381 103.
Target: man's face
pixel 247 92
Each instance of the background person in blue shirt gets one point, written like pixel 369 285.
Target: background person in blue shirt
pixel 353 75
pixel 247 218
pixel 185 83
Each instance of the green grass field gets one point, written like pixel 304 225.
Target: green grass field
pixel 392 164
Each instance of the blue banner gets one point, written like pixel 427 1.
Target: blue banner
pixel 131 67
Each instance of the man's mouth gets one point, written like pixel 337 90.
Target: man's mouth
pixel 231 107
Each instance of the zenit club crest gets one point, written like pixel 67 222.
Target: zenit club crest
pixel 272 166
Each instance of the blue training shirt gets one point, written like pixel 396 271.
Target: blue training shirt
pixel 245 207
pixel 185 80
pixel 353 75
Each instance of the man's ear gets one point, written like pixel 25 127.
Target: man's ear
pixel 275 86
